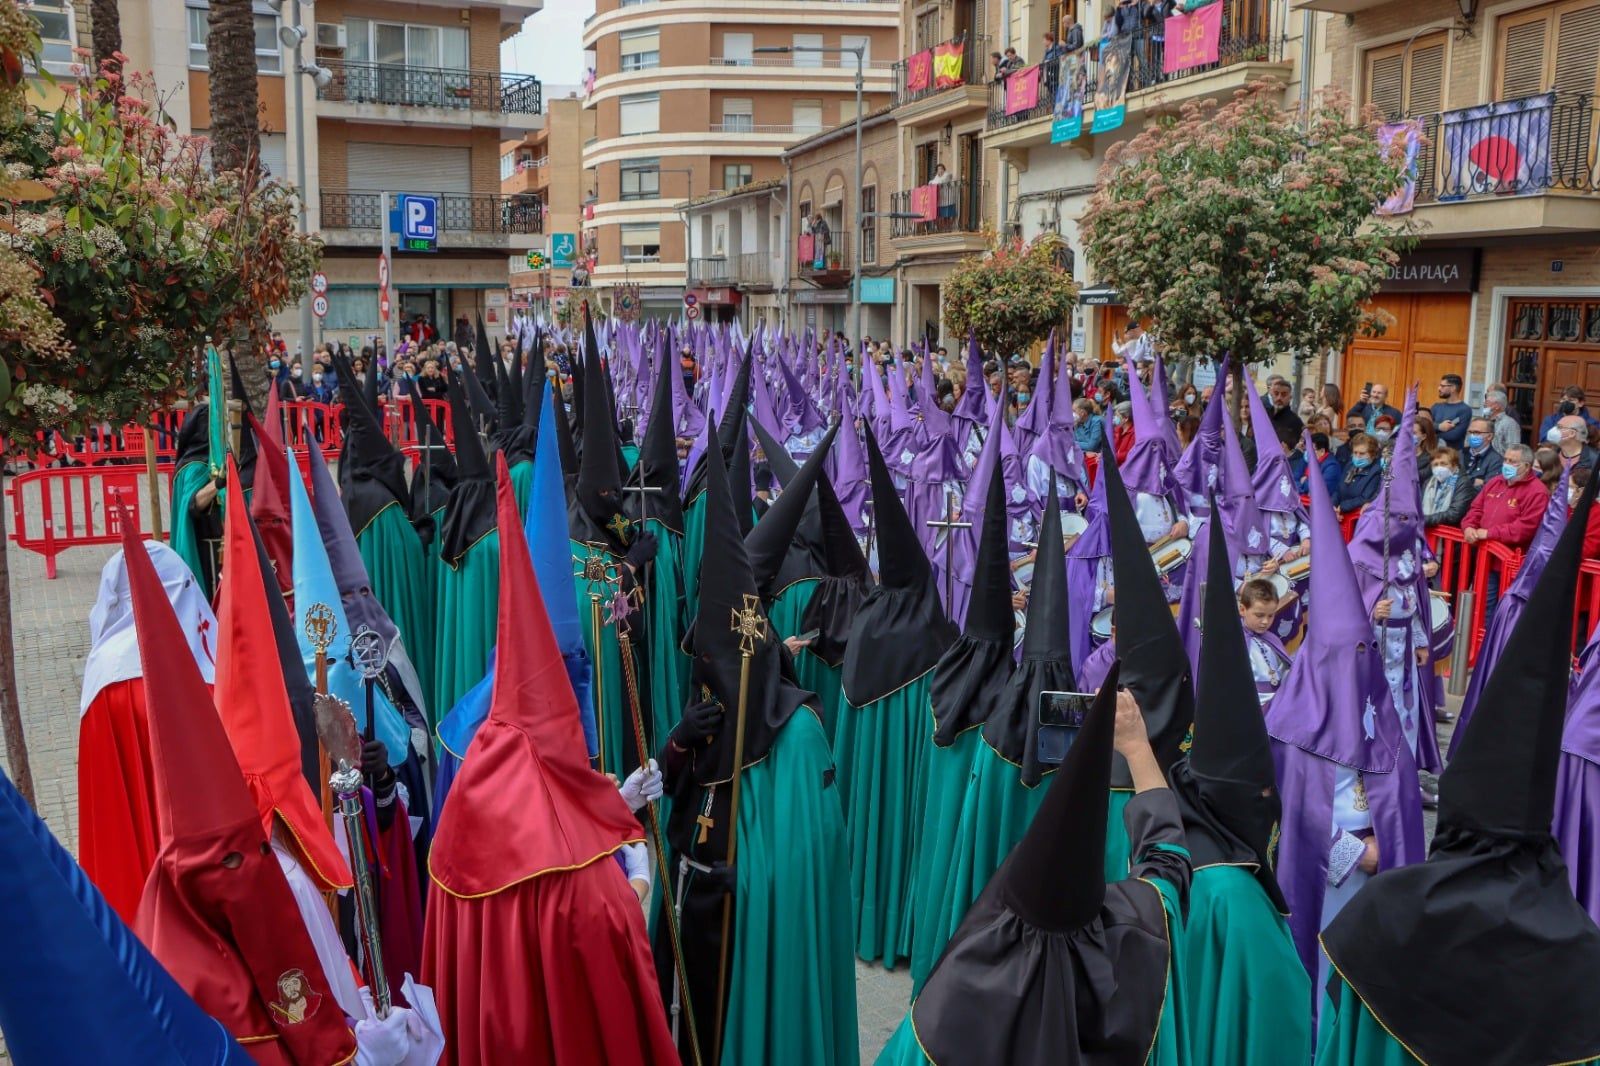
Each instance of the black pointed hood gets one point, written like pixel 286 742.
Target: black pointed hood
pixel 1487 928
pixel 429 493
pixel 470 512
pixel 372 472
pixel 739 482
pixel 901 629
pixel 1155 665
pixel 194 437
pixel 738 403
pixel 597 515
pixel 479 403
pixel 1227 785
pixel 728 588
pixel 246 461
pixel 845 579
pixel 535 379
pixel 484 357
pixel 511 433
pixel 769 545
pixel 971 678
pixel 802 555
pixel 1012 728
pixel 658 460
pixel 369 390
pixel 566 447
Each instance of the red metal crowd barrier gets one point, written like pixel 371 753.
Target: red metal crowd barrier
pixel 400 420
pixel 1586 604
pixel 72 506
pixel 122 446
pixel 1496 559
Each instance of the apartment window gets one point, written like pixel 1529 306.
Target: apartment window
pixel 56 36
pixel 869 224
pixel 1550 48
pixel 508 165
pixel 738 49
pixel 738 115
pixel 848 59
pixel 1405 81
pixel 641 242
pixel 807 59
pixel 640 113
pixel 737 175
pixel 927 158
pixel 269 56
pixel 406 44
pixel 928 33
pixel 635 3
pixel 807 116
pixel 641 179
pixel 641 49
pixel 352 309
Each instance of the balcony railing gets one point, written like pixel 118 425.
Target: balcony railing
pixel 922 74
pixel 825 61
pixel 444 87
pixel 823 261
pixel 1508 148
pixel 747 268
pixel 955 207
pixel 740 126
pixel 360 209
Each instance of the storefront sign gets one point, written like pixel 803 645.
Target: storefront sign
pixel 1098 296
pixel 822 296
pixel 877 290
pixel 1434 270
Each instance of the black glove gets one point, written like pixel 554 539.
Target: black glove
pixel 375 764
pixel 642 551
pixel 700 721
pixel 722 877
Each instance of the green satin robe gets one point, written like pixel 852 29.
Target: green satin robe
pixel 398 567
pixel 613 709
pixel 465 622
pixel 189 479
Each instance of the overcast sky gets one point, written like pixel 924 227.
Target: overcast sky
pixel 550 44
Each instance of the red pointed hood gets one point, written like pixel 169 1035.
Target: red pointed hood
pixel 216 910
pixel 269 499
pixel 526 801
pixel 253 703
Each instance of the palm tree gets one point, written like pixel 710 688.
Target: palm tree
pixel 231 53
pixel 105 30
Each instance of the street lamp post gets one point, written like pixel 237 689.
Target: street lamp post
pixel 860 52
pixel 292 36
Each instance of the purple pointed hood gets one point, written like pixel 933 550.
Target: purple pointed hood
pixel 971 408
pixel 765 411
pixel 1247 528
pixel 1000 454
pixel 933 416
pixel 1199 469
pixel 1335 701
pixel 1274 484
pixel 1160 398
pixel 1394 517
pixel 802 413
pixel 687 419
pixel 1057 447
pixel 1034 421
pixel 849 473
pixel 1148 467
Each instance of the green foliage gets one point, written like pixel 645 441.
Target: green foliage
pixel 1009 297
pixel 138 250
pixel 1248 228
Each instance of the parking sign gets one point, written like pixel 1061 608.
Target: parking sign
pixel 419 223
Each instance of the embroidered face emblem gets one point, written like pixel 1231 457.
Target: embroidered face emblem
pixel 1407 565
pixel 296 1000
pixel 1284 488
pixel 1369 719
pixel 1254 539
pixel 1018 494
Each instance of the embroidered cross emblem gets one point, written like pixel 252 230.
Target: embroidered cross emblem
pixel 618 525
pixel 749 623
pixel 705 822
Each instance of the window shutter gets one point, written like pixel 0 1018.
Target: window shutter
pixel 1384 90
pixel 1522 60
pixel 403 168
pixel 1577 45
pixel 1425 93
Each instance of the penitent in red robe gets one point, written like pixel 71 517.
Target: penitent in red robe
pixel 116 796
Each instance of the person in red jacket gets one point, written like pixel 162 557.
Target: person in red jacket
pixel 1511 504
pixel 1591 536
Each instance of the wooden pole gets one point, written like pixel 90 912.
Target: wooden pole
pixel 153 483
pixel 733 842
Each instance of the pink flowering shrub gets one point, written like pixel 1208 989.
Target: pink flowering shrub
pixel 1010 296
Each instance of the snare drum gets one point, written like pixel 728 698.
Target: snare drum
pixel 1280 584
pixel 1073 526
pixel 1298 570
pixel 1100 626
pixel 1441 627
pixel 1171 554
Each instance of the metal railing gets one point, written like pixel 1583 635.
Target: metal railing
pixel 974 59
pixel 361 209
pixel 831 258
pixel 1508 148
pixel 958 208
pixel 746 268
pixel 738 126
pixel 445 87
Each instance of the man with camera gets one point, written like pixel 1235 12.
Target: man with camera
pixel 1571 404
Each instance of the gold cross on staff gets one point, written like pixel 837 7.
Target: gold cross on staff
pixel 749 623
pixel 321 627
pixel 594 568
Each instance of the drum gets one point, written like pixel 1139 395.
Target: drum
pixel 1171 554
pixel 1298 570
pixel 1441 627
pixel 1073 526
pixel 1100 626
pixel 1279 583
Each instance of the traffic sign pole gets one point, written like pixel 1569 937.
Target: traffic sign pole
pixel 383 280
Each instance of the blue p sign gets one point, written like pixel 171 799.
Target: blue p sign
pixel 419 217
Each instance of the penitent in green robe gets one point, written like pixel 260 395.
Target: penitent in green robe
pixel 792 980
pixel 669 666
pixel 694 546
pixel 1247 994
pixel 613 711
pixel 398 567
pixel 949 771
pixel 882 752
pixel 465 622
pixel 190 478
pixel 522 485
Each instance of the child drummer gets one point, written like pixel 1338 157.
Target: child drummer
pixel 1269 661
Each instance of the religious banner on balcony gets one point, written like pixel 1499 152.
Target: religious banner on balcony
pixel 947 60
pixel 1404 139
pixel 807 246
pixel 1072 86
pixel 1501 147
pixel 1192 40
pixel 1110 104
pixel 925 202
pixel 919 71
pixel 1022 90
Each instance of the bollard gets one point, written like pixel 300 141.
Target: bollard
pixel 1463 644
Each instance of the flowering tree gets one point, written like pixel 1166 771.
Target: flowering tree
pixel 1248 228
pixel 1010 296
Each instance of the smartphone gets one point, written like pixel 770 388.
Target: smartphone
pixel 1061 716
pixel 1366 388
pixel 808 636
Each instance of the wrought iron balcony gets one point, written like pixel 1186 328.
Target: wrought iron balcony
pixel 443 87
pixel 920 75
pixel 1522 147
pixel 459 213
pixel 955 207
pixel 748 269
pixel 826 264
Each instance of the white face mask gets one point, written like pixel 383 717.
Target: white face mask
pixel 1573 495
pixel 1443 473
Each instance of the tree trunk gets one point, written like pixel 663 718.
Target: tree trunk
pixel 231 54
pixel 105 31
pixel 10 699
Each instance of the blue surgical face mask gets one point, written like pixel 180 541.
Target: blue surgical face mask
pixel 1474 440
pixel 1361 462
pixel 1022 397
pixel 1508 471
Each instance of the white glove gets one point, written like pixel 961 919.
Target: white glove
pixel 643 786
pixel 385 1041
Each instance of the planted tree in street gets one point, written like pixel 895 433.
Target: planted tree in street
pixel 1011 296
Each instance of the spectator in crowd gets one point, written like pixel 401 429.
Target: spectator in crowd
pixel 1591 534
pixel 1383 431
pixel 1332 400
pixel 1425 440
pixel 1505 428
pixel 430 383
pixel 1280 406
pixel 1569 434
pixel 1290 442
pixel 1511 504
pixel 1072 35
pixel 1127 16
pixel 1572 403
pixel 1354 426
pixel 1448 494
pixel 321 391
pixel 1547 465
pixel 1451 414
pixel 1052 52
pixel 1373 404
pixel 1364 476
pixel 1009 64
pixel 1332 469
pixel 1088 429
pixel 1122 430
pixel 1482 460
pixel 1132 343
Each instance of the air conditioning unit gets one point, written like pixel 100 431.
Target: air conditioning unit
pixel 330 35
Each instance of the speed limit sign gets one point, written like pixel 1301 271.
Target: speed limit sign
pixel 319 306
pixel 319 283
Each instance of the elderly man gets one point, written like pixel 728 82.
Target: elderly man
pixel 1373 403
pixel 1511 504
pixel 1280 408
pixel 1507 431
pixel 1570 435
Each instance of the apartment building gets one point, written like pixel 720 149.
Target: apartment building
pixel 548 164
pixel 737 269
pixel 1505 286
pixel 689 99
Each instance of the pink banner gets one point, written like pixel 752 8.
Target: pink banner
pixel 925 202
pixel 1022 90
pixel 807 246
pixel 1192 39
pixel 919 71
